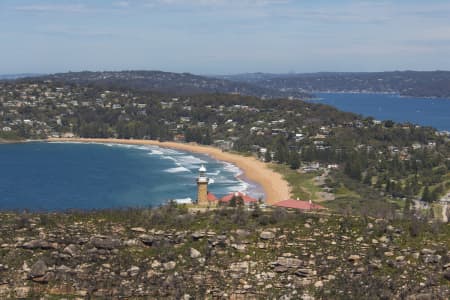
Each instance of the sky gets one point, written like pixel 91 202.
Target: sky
pixel 224 36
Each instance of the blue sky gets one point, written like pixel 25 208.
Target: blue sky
pixel 224 36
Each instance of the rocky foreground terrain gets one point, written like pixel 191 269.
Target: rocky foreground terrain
pixel 170 253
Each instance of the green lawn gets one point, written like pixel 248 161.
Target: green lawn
pixel 302 185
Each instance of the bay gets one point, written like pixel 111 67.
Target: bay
pixel 60 176
pixel 422 111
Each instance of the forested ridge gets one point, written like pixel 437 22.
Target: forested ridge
pixel 405 83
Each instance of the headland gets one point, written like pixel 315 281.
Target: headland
pixel 274 186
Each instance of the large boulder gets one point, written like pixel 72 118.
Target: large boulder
pixel 104 242
pixel 267 235
pixel 242 233
pixel 427 251
pixel 240 267
pixel 198 235
pixel 288 262
pixel 38 270
pixel 194 253
pixel 447 275
pixel 133 271
pixel 422 296
pixel 354 258
pixel 147 239
pixel 304 272
pixel 71 250
pixel 39 244
pixel 22 292
pixel 169 265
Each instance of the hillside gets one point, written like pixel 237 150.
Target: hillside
pixel 168 83
pixel 379 159
pixel 230 253
pixel 406 83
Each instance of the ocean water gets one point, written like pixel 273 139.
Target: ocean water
pixel 61 176
pixel 422 111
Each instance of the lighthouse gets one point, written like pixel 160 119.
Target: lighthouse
pixel 202 187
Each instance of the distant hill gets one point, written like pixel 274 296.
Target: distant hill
pixel 406 83
pixel 17 76
pixel 169 83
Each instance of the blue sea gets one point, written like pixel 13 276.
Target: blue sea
pixel 62 176
pixel 423 111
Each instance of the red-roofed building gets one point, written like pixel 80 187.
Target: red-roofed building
pixel 298 204
pixel 247 199
pixel 211 197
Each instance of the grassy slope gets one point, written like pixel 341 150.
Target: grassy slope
pixel 302 185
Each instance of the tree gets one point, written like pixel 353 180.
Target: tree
pixel 294 160
pixel 353 169
pixel 281 151
pixel 436 193
pixel 407 208
pixel 389 124
pixel 426 195
pixel 368 178
pixel 206 139
pixel 236 201
pixel 268 156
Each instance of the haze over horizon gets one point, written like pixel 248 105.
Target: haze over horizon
pixel 223 36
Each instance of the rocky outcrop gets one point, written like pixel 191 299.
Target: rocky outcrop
pixel 96 258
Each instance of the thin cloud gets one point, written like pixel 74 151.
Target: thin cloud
pixel 76 32
pixel 214 3
pixel 122 4
pixel 44 8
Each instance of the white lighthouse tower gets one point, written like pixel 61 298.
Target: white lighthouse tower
pixel 202 187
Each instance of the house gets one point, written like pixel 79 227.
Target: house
pixel 298 204
pixel 224 145
pixel 211 197
pixel 247 199
pixel 416 146
pixel 263 151
pixel 299 137
pixel 179 138
pixel 68 135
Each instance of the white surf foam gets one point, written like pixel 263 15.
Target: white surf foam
pixel 187 200
pixel 232 168
pixel 177 170
pixel 213 173
pixel 190 160
pixel 156 152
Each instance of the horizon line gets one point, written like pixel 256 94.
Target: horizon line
pixel 214 74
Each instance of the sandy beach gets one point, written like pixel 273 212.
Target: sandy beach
pixel 274 186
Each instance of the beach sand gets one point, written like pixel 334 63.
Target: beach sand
pixel 274 186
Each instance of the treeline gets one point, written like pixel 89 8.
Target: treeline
pixel 166 82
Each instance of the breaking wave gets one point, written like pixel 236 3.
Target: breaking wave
pixel 177 170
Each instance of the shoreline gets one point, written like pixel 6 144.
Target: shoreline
pixel 7 142
pixel 274 186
